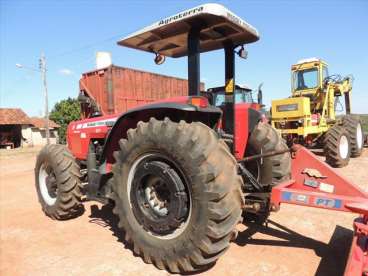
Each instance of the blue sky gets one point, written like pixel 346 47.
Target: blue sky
pixel 70 33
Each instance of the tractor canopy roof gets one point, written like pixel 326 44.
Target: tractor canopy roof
pixel 169 36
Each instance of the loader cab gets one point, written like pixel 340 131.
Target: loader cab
pixel 308 76
pixel 198 30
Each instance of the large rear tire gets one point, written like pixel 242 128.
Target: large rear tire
pixel 177 194
pixel 58 184
pixel 354 126
pixel 277 168
pixel 269 171
pixel 337 146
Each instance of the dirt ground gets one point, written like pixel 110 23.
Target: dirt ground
pixel 297 241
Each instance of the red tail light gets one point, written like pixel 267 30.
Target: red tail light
pixel 198 101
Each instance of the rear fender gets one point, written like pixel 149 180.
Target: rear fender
pixel 174 111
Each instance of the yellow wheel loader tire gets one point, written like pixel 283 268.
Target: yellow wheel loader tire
pixel 177 194
pixel 354 126
pixel 337 146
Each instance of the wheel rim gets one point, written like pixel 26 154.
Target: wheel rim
pixel 159 196
pixel 344 147
pixel 47 184
pixel 359 136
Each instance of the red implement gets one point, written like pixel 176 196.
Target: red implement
pixel 358 257
pixel 316 184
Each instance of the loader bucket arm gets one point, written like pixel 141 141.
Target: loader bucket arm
pixel 315 184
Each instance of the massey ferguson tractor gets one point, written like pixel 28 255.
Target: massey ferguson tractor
pixel 181 172
pixel 309 118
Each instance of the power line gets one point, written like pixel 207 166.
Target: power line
pixel 88 46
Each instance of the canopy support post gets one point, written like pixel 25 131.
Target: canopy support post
pixel 193 61
pixel 230 88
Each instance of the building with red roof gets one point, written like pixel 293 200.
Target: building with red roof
pixel 17 129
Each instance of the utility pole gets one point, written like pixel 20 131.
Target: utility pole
pixel 42 70
pixel 43 73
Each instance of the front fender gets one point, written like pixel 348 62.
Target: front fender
pixel 174 111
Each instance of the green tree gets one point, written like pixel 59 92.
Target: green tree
pixel 63 113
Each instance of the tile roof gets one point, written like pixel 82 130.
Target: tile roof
pixel 40 123
pixel 13 116
pixel 16 116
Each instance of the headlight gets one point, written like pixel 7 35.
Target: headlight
pixel 287 107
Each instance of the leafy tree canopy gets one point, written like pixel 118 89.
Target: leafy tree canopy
pixel 63 113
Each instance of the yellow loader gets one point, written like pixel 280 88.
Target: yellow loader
pixel 308 117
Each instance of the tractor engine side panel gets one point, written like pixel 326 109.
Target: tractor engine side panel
pixel 80 133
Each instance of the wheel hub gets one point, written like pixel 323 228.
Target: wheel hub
pixel 158 196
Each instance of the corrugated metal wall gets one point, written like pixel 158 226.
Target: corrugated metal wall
pixel 117 89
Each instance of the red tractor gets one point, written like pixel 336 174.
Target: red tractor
pixel 181 172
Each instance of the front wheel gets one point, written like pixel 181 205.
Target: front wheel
pixel 177 194
pixel 337 146
pixel 58 184
pixel 354 127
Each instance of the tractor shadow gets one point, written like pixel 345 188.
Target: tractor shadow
pixel 334 255
pixel 104 217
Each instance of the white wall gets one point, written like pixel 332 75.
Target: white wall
pixel 26 136
pixel 37 137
